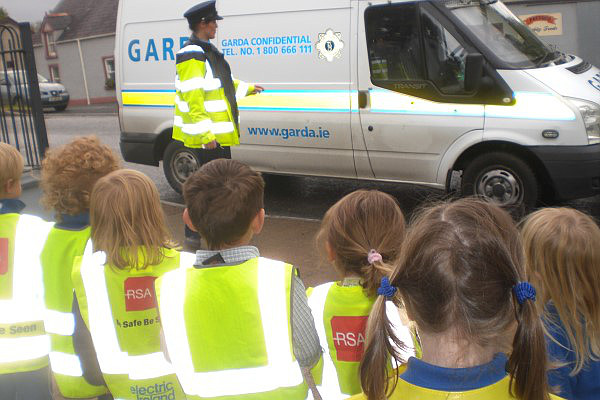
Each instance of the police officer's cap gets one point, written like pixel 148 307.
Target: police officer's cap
pixel 205 11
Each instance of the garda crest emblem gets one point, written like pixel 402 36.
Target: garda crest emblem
pixel 330 45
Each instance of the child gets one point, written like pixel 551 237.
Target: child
pixel 115 288
pixel 233 321
pixel 24 346
pixel 361 234
pixel 461 279
pixel 563 260
pixel 68 176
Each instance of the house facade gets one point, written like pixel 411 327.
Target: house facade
pixel 75 46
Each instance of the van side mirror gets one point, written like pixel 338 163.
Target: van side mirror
pixel 473 72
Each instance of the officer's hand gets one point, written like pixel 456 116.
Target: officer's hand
pixel 211 145
pixel 258 89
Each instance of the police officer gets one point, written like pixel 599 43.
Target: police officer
pixel 206 111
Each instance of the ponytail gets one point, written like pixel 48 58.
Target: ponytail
pixel 381 343
pixel 528 363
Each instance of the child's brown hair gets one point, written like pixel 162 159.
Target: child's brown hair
pixel 457 269
pixel 70 172
pixel 11 165
pixel 222 198
pixel 563 260
pixel 127 220
pixel 362 221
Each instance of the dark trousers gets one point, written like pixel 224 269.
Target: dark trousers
pixel 205 156
pixel 34 385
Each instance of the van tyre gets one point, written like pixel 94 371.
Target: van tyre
pixel 179 163
pixel 502 178
pixel 60 108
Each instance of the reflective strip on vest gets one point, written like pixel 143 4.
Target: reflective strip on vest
pixel 65 364
pixel 330 387
pixel 242 90
pixel 222 127
pixel 215 106
pixel 282 370
pixel 27 304
pixel 59 323
pixel 193 129
pixel 112 360
pixel 181 104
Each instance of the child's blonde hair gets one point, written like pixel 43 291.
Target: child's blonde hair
pixel 362 221
pixel 563 259
pixel 70 172
pixel 11 165
pixel 456 272
pixel 127 220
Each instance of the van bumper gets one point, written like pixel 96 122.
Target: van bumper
pixel 574 170
pixel 138 148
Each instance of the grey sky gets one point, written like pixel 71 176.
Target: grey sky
pixel 28 10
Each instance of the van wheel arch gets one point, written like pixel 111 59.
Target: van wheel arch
pixel 545 182
pixel 161 143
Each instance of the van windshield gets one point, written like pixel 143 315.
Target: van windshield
pixel 502 32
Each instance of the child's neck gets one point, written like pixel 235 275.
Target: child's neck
pixel 445 350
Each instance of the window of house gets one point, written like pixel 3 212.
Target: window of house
pixel 54 73
pixel 50 44
pixel 408 43
pixel 109 67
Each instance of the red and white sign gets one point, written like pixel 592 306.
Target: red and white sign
pixel 3 256
pixel 139 293
pixel 349 337
pixel 544 24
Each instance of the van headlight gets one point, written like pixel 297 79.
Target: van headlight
pixel 590 113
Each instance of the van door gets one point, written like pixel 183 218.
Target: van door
pixel 300 124
pixel 411 47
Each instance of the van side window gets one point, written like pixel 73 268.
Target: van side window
pixel 446 57
pixel 407 43
pixel 393 43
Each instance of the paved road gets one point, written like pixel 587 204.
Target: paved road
pixel 286 196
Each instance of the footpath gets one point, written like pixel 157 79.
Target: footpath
pixel 287 239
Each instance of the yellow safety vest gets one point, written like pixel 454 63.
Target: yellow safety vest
pixel 24 345
pixel 407 391
pixel 58 256
pixel 119 309
pixel 202 112
pixel 341 314
pixel 228 330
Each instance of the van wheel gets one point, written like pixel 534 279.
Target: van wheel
pixel 179 163
pixel 503 179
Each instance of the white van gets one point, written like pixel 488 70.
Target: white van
pixel 453 94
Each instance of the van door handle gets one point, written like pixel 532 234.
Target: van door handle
pixel 363 98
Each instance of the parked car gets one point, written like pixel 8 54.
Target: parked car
pixel 13 85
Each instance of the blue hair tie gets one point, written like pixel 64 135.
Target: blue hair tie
pixel 524 291
pixel 386 289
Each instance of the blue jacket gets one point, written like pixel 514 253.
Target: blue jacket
pixel 583 386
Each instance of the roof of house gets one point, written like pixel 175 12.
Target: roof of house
pixel 81 18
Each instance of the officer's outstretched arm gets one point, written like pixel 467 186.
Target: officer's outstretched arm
pixel 242 89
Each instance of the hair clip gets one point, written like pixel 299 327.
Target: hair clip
pixel 524 291
pixel 374 256
pixel 386 289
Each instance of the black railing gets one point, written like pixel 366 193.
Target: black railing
pixel 21 114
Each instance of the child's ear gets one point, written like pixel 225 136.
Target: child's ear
pixel 187 220
pixel 12 187
pixel 258 222
pixel 330 252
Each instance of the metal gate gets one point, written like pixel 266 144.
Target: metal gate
pixel 21 115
